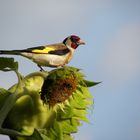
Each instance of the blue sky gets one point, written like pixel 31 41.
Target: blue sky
pixel 111 30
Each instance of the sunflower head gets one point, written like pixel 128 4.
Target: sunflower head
pixel 59 85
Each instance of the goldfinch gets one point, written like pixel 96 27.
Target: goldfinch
pixel 54 55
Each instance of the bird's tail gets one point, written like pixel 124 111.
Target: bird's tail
pixel 10 52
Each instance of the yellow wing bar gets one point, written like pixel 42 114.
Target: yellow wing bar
pixel 45 50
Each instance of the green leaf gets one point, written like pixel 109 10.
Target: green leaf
pixel 67 137
pixel 66 114
pixel 3 96
pixel 8 64
pixel 28 109
pixel 7 101
pixel 36 136
pixel 91 83
pixel 67 126
pixel 44 137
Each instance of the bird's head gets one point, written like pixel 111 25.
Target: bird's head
pixel 73 41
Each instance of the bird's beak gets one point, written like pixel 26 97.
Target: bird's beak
pixel 80 42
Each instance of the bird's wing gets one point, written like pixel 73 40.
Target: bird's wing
pixel 56 49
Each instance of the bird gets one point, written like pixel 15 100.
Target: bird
pixel 53 55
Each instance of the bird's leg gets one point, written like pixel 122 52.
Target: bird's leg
pixel 41 69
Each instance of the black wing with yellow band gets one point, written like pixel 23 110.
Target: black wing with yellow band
pixel 60 52
pixel 48 50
